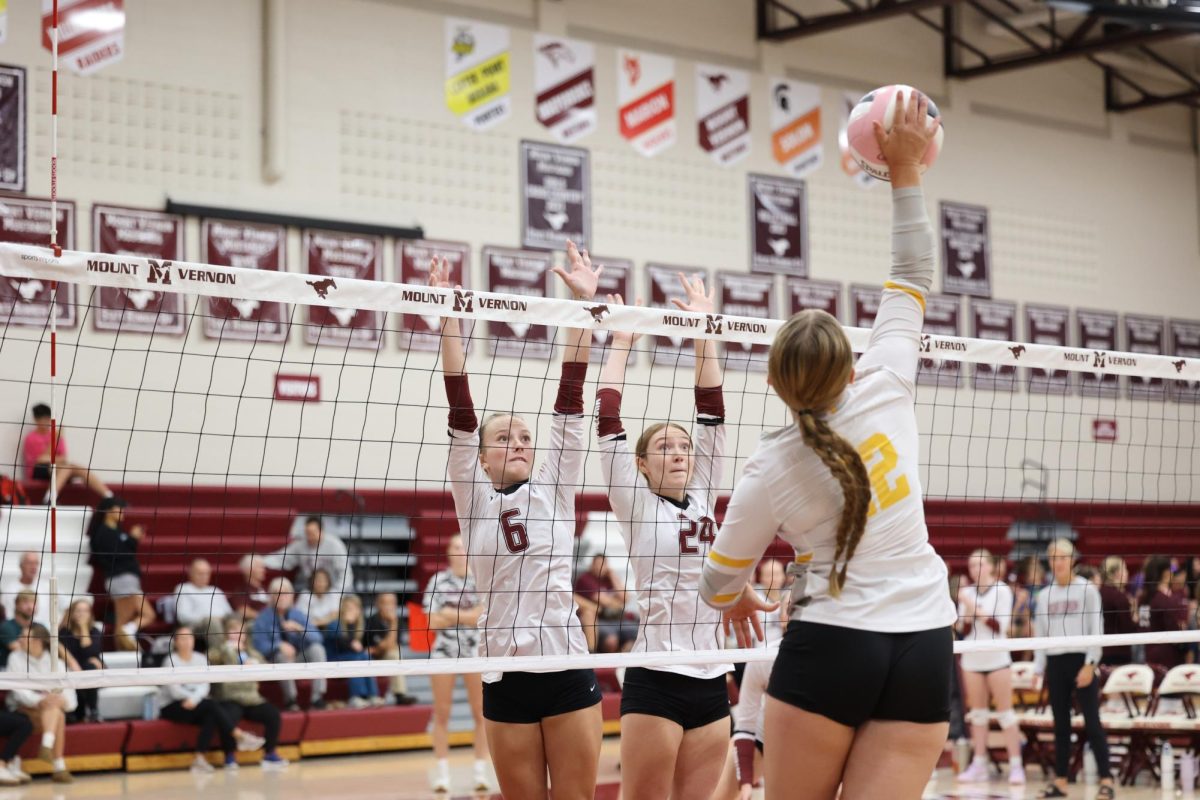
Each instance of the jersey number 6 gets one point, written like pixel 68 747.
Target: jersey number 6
pixel 515 538
pixel 879 455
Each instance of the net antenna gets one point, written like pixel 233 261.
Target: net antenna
pixel 56 665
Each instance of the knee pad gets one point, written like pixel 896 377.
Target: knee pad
pixel 1007 719
pixel 978 716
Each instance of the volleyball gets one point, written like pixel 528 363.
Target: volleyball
pixel 880 106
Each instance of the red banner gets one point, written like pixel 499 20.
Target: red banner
pixel 418 332
pixel 26 301
pixel 864 305
pixel 745 295
pixel 330 255
pixel 942 316
pixel 227 243
pixel 91 33
pixel 823 295
pixel 995 319
pixel 675 349
pixel 136 232
pixel 519 272
pixel 617 278
pixel 1048 325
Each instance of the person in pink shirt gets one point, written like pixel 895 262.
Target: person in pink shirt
pixel 38 457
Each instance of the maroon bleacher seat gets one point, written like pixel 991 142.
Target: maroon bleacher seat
pixel 93 738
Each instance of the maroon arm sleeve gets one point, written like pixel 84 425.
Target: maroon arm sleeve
pixel 462 409
pixel 744 761
pixel 608 419
pixel 570 388
pixel 992 623
pixel 710 402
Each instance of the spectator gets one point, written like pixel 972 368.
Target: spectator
pixel 1030 578
pixel 38 458
pixel 383 642
pixel 1118 609
pixel 1089 574
pixel 16 730
pixel 1167 612
pixel 319 604
pixel 47 710
pixel 242 699
pixel 602 608
pixel 27 580
pixel 189 704
pixel 114 554
pixel 253 596
pixel 81 638
pixel 200 605
pixel 283 634
pixel 316 549
pixel 344 642
pixel 14 631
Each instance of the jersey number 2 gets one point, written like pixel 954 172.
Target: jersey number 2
pixel 702 531
pixel 515 537
pixel 880 457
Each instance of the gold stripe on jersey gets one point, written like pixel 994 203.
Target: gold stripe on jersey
pixel 920 298
pixel 803 558
pixel 722 599
pixel 726 561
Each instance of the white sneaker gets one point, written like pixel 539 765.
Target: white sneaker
pixel 358 702
pixel 376 702
pixel 7 778
pixel 1016 775
pixel 276 764
pixel 976 773
pixel 441 786
pixel 482 784
pixel 249 741
pixel 200 766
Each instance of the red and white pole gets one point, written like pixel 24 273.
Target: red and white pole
pixel 54 432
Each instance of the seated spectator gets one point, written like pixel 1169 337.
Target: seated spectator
pixel 319 604
pixel 383 643
pixel 27 581
pixel 316 549
pixel 602 609
pixel 189 704
pixel 1167 612
pixel 114 555
pixel 1089 574
pixel 14 631
pixel 200 605
pixel 252 597
pixel 80 637
pixel 47 710
pixel 16 730
pixel 1117 608
pixel 283 635
pixel 344 642
pixel 242 699
pixel 38 458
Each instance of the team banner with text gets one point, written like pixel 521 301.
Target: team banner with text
pixel 864 304
pixel 12 128
pixel 413 256
pixel 136 232
pixel 556 196
pixel 477 72
pixel 778 225
pixel 745 295
pixel 1185 344
pixel 1146 335
pixel 820 295
pixel 564 86
pixel 91 33
pixel 646 100
pixel 1098 333
pixel 796 126
pixel 674 348
pixel 616 279
pixel 226 243
pixel 723 113
pixel 966 255
pixel 1048 325
pixel 997 320
pixel 942 318
pixel 524 273
pixel 329 257
pixel 24 220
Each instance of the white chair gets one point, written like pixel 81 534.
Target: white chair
pixel 123 702
pixel 1181 683
pixel 1134 685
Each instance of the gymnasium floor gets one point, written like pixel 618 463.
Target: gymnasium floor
pixel 402 776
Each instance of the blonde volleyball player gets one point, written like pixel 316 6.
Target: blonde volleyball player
pixel 860 693
pixel 984 612
pixel 674 720
pixel 518 527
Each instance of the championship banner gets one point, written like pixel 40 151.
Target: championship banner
pixel 227 243
pixel 564 86
pixel 477 72
pixel 556 196
pixel 723 112
pixel 26 301
pixel 617 278
pixel 778 225
pixel 796 126
pixel 675 349
pixel 864 304
pixel 91 33
pixel 423 331
pixel 151 234
pixel 745 295
pixel 822 295
pixel 1146 335
pixel 1098 333
pixel 646 100
pixel 942 316
pixel 849 165
pixel 1047 325
pixel 514 272
pixel 12 128
pixel 994 319
pixel 966 256
pixel 330 256
pixel 1185 344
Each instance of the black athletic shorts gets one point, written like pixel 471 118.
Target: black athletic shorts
pixel 41 472
pixel 852 676
pixel 690 702
pixel 527 697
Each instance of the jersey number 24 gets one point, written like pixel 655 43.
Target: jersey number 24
pixel 879 455
pixel 701 531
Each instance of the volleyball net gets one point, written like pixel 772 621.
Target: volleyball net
pixel 232 404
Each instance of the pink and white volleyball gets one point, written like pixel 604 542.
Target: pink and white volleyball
pixel 880 106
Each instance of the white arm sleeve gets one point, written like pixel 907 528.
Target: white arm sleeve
pixel 750 526
pixel 562 468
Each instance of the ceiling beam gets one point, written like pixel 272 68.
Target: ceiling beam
pixel 811 26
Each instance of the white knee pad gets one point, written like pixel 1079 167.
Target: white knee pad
pixel 1007 719
pixel 978 716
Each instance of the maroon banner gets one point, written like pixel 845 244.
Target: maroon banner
pixel 12 128
pixel 966 255
pixel 520 272
pixel 328 256
pixel 864 305
pixel 823 295
pixel 745 295
pixel 942 316
pixel 227 243
pixel 297 388
pixel 418 332
pixel 1098 333
pixel 778 225
pixel 674 350
pixel 997 320
pixel 1185 342
pixel 26 301
pixel 135 232
pixel 617 278
pixel 556 203
pixel 1048 325
pixel 1146 335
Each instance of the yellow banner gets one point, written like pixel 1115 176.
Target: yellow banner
pixel 479 85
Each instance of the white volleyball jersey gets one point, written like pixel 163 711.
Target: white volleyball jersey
pixel 895 581
pixel 752 698
pixel 989 622
pixel 520 545
pixel 667 544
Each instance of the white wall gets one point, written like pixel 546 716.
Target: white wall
pixel 1088 209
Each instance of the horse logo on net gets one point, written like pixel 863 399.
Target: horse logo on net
pixel 160 272
pixel 464 301
pixel 1179 365
pixel 1017 352
pixel 926 343
pixel 598 312
pixel 1100 359
pixel 323 286
pixel 714 324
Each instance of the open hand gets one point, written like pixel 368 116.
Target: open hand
pixel 912 132
pixel 439 273
pixel 697 300
pixel 581 279
pixel 743 618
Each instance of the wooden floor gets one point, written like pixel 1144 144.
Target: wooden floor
pixel 404 776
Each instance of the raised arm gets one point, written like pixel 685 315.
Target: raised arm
pixel 616 460
pixel 582 279
pixel 710 402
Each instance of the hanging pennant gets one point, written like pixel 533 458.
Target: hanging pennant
pixel 646 100
pixel 796 126
pixel 564 86
pixel 723 112
pixel 477 72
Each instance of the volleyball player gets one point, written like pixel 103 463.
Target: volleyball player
pixel 519 531
pixel 860 692
pixel 674 719
pixel 984 611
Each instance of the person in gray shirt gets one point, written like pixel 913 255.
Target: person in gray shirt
pixel 316 549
